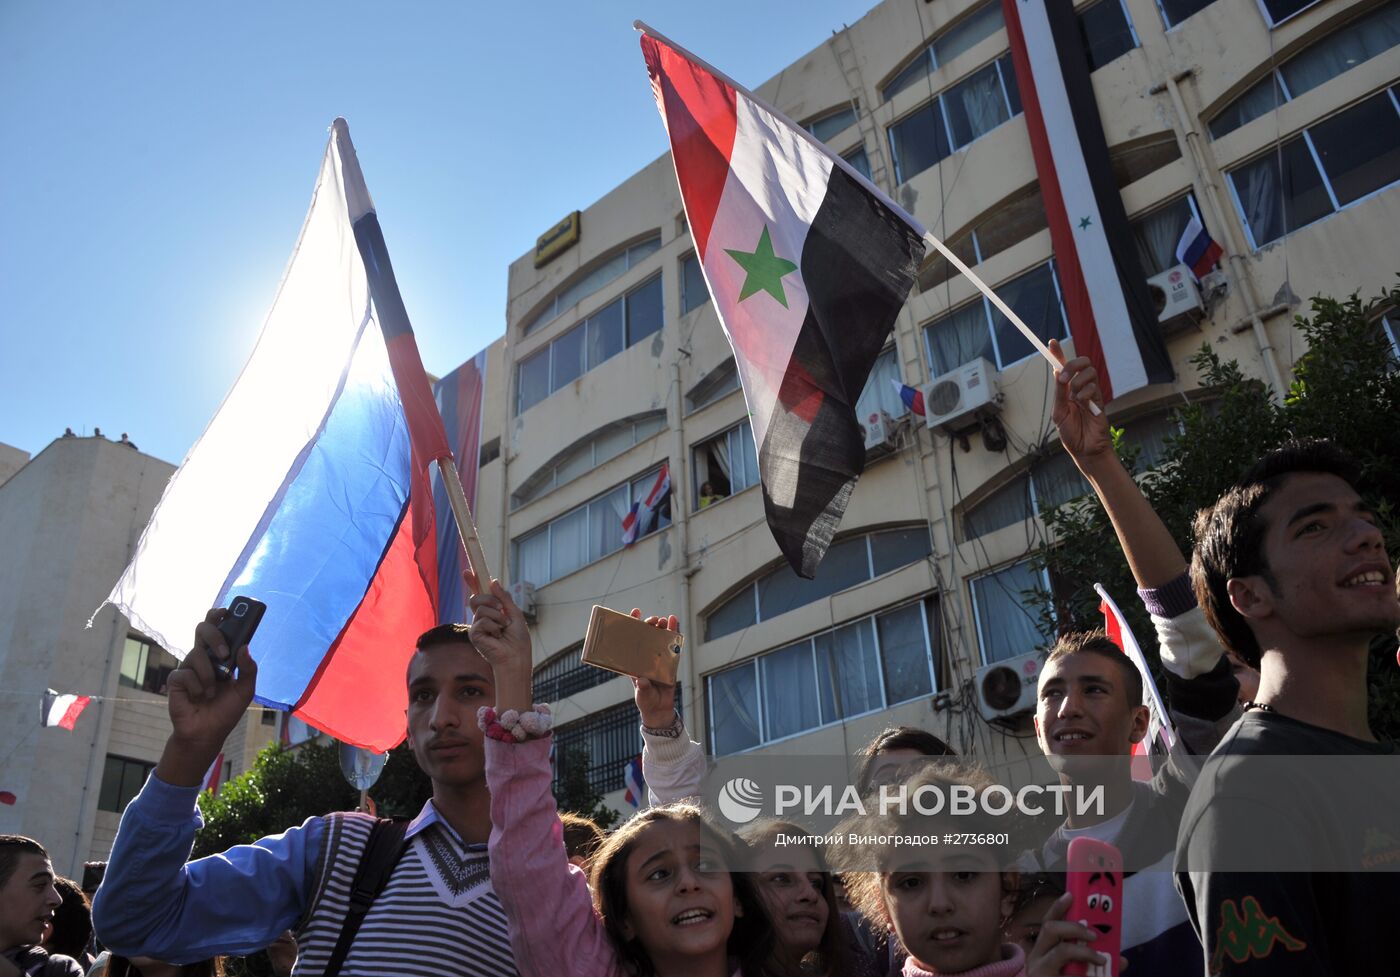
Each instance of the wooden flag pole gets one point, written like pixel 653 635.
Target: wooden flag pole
pixel 1005 309
pixel 466 525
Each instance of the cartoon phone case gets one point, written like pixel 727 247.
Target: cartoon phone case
pixel 623 644
pixel 1095 884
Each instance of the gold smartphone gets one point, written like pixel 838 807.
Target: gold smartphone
pixel 629 646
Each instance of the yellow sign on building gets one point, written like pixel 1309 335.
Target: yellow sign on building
pixel 558 239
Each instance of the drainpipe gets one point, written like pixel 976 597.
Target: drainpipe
pixel 680 522
pixel 1204 169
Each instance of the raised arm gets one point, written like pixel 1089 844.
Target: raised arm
pixel 673 765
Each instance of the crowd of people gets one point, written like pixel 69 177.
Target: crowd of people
pixel 1263 639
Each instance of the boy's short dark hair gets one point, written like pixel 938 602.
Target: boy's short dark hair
pixel 444 634
pixel 14 847
pixel 897 738
pixel 1098 643
pixel 1229 535
pixel 582 836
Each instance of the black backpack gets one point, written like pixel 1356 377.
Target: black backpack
pixel 382 852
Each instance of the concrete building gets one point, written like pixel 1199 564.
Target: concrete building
pixel 70 518
pixel 1275 121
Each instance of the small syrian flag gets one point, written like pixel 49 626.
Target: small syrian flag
pixel 213 776
pixel 642 517
pixel 1159 727
pixel 61 710
pixel 636 786
pixel 1196 250
pixel 913 397
pixel 808 264
pixel 1102 283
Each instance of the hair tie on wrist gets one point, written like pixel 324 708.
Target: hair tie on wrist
pixel 513 726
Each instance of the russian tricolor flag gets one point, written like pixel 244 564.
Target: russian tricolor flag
pixel 310 488
pixel 912 397
pixel 1196 250
pixel 635 784
pixel 642 517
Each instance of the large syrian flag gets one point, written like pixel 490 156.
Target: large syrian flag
pixel 1111 315
pixel 808 265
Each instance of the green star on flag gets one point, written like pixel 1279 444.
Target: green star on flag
pixel 1084 223
pixel 763 270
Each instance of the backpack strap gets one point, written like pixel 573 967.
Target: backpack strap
pixel 382 852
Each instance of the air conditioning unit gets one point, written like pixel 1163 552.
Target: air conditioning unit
pixel 1007 688
pixel 1176 297
pixel 961 398
pixel 880 432
pixel 523 593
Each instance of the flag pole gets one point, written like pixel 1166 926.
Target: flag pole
pixel 466 525
pixel 1005 309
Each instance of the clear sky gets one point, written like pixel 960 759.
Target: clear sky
pixel 157 159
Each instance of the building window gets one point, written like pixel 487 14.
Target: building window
pixel 584 456
pixel 848 562
pixel 1051 482
pixel 859 161
pixel 1007 624
pixel 565 674
pixel 490 451
pixel 610 738
pixel 610 270
pixel 1329 165
pixel 980 330
pixel 617 325
pixel 719 382
pixel 585 535
pixel 1175 11
pixel 268 717
pixel 1390 330
pixel 962 36
pixel 833 123
pixel 694 291
pixel 727 463
pixel 1151 434
pixel 1157 233
pixel 1338 52
pixel 1107 32
pixel 1011 221
pixel 861 667
pixel 122 780
pixel 1277 11
pixel 146 665
pixel 879 393
pixel 964 112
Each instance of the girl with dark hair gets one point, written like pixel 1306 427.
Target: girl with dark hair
pixel 147 967
pixel 883 758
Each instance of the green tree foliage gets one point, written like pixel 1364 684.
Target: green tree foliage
pixel 1346 387
pixel 573 791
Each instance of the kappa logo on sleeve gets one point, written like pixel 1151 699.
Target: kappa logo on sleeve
pixel 1246 932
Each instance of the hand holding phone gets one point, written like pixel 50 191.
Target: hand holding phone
pixel 1095 886
pixel 242 620
pixel 629 646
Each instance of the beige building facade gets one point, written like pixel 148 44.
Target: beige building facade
pixel 1276 123
pixel 70 518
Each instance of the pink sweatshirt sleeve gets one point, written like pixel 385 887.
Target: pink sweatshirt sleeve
pixel 553 929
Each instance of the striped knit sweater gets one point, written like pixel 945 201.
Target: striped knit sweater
pixel 437 917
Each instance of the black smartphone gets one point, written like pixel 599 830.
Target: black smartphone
pixel 237 627
pixel 92 875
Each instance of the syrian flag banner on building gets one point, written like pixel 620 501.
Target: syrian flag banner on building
pixel 808 265
pixel 636 786
pixel 1104 287
pixel 61 710
pixel 1159 728
pixel 1196 250
pixel 641 518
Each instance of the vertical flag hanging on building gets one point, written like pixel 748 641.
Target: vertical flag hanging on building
pixel 1196 249
pixel 459 396
pixel 1159 727
pixel 808 264
pixel 310 489
pixel 1102 283
pixel 641 518
pixel 632 780
pixel 61 710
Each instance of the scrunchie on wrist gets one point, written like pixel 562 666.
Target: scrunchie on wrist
pixel 513 726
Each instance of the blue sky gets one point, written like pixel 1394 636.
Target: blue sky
pixel 159 158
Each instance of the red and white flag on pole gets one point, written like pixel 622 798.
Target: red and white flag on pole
pixel 213 777
pixel 808 264
pixel 61 710
pixel 1104 288
pixel 1159 726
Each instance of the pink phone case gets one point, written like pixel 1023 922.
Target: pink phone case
pixel 1095 884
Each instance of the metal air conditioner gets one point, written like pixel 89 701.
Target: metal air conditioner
pixel 1007 688
pixel 523 593
pixel 880 433
pixel 1176 297
pixel 961 398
